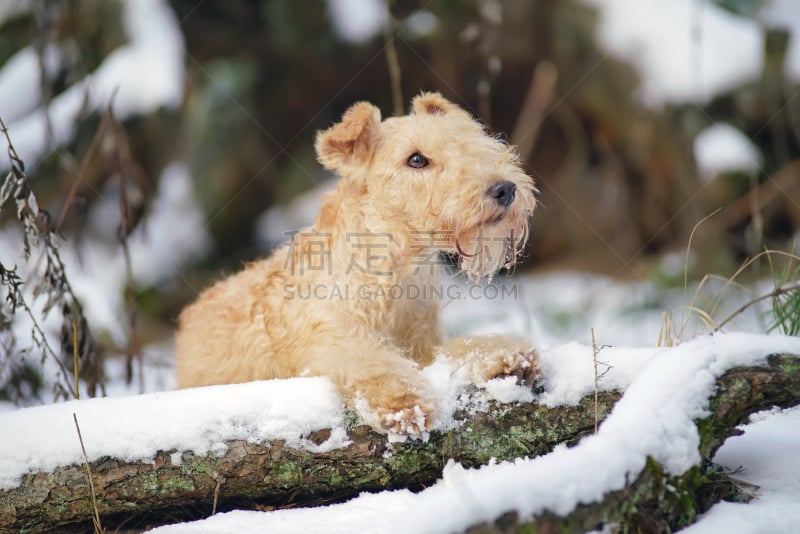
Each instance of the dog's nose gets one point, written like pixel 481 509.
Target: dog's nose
pixel 503 192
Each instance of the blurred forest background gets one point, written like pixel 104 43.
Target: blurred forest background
pixel 171 140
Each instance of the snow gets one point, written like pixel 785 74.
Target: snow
pixel 568 370
pixel 158 255
pixel 200 420
pixel 552 309
pixel 367 513
pixel 690 50
pixel 357 21
pixel 723 148
pixel 20 87
pixel 421 23
pixel 145 74
pixel 13 8
pixel 669 388
pixel 766 455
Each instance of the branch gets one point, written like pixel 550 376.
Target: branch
pixel 657 502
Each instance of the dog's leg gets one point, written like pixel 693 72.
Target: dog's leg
pixel 482 358
pixel 387 389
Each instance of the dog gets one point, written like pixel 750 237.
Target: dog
pixel 336 299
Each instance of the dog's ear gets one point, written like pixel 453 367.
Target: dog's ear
pixel 351 140
pixel 432 104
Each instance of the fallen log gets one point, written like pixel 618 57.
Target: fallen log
pixel 657 502
pixel 181 485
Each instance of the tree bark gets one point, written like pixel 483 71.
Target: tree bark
pixel 272 475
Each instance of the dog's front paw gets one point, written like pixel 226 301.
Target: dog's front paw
pixel 482 358
pixel 400 416
pixel 521 364
pixel 412 422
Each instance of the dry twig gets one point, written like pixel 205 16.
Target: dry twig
pixel 778 291
pixel 98 527
pixel 596 382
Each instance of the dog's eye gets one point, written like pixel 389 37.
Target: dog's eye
pixel 417 161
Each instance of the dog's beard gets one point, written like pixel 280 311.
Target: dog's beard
pixel 487 248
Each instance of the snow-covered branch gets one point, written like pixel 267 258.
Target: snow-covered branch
pixel 313 469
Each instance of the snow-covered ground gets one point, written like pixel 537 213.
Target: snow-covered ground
pixel 765 455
